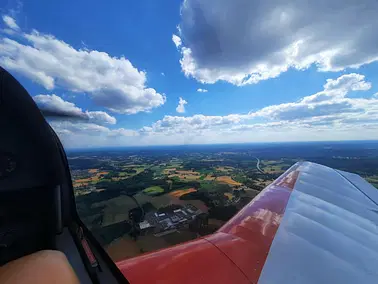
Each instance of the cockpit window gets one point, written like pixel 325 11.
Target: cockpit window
pixel 174 117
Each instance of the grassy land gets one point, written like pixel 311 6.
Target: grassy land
pixel 272 166
pixel 153 190
pixel 239 178
pixel 214 186
pixel 270 162
pixel 373 180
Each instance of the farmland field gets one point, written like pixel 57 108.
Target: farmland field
pixel 228 180
pixel 178 193
pixel 217 180
pixel 153 190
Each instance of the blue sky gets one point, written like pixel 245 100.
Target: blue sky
pixel 196 71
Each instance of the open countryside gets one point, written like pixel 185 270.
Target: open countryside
pixel 185 194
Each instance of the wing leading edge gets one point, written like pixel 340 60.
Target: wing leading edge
pixel 313 224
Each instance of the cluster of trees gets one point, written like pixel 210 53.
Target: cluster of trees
pixel 84 163
pixel 144 180
pixel 133 184
pixel 242 161
pixel 222 213
pixel 198 195
pixel 361 166
pixel 200 225
pixel 110 175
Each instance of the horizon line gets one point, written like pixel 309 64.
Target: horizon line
pixel 213 144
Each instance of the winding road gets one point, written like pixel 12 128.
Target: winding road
pixel 258 165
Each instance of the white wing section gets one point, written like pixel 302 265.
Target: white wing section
pixel 329 232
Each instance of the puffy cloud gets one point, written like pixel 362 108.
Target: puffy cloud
pixel 112 82
pixel 348 82
pixel 202 90
pixel 338 88
pixel 176 40
pixel 327 115
pixel 100 117
pixel 181 106
pixel 10 22
pixel 72 128
pixel 180 124
pixel 57 105
pixel 246 41
pixel 327 109
pixel 74 135
pixel 332 100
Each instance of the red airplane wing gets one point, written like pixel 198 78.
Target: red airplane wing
pixel 313 224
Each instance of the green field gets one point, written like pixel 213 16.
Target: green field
pixel 153 190
pixel 239 178
pixel 373 180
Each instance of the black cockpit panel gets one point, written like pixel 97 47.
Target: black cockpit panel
pixel 28 152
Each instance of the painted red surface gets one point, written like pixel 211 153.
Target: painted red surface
pixel 246 238
pixel 194 262
pixel 234 254
pixel 289 180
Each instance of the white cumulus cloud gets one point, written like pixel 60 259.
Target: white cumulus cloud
pixel 331 101
pixel 202 90
pixel 112 82
pixel 56 104
pixel 10 22
pixel 246 41
pixel 330 114
pixel 77 134
pixel 181 105
pixel 100 117
pixel 176 40
pixel 328 110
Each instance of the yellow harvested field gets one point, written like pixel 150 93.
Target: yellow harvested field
pixel 95 178
pixel 180 192
pixel 228 195
pixel 228 180
pixel 185 177
pixel 83 180
pixel 209 177
pixel 224 169
pixel 118 178
pixel 187 173
pixel 93 171
pixel 78 184
pixel 272 169
pixel 167 171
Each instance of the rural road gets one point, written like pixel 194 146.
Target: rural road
pixel 258 165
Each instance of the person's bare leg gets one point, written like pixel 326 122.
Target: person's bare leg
pixel 42 267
